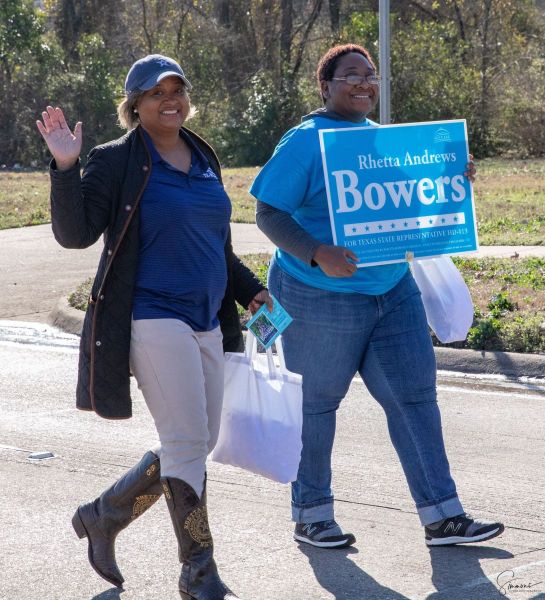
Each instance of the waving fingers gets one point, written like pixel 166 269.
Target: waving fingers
pixel 60 118
pixel 64 145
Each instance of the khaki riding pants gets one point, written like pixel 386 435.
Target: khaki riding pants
pixel 180 373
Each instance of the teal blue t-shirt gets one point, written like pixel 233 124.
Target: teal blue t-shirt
pixel 293 181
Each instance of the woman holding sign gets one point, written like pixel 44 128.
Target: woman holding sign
pixel 162 306
pixel 347 320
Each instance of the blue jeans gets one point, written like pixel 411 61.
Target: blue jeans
pixel 386 340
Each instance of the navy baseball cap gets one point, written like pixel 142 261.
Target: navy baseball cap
pixel 148 72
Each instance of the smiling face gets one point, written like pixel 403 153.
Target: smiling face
pixel 353 102
pixel 163 109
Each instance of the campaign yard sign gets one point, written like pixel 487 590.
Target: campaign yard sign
pixel 396 191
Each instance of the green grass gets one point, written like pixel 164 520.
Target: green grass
pixel 509 299
pixel 509 199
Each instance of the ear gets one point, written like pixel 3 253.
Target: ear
pixel 324 88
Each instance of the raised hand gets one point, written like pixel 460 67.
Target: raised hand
pixel 64 145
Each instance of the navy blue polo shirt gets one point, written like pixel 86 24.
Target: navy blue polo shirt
pixel 184 221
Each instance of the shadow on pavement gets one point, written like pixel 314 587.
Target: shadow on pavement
pixel 111 594
pixel 457 572
pixel 340 576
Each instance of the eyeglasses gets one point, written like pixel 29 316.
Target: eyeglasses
pixel 358 80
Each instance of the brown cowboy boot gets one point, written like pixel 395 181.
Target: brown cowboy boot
pixel 199 579
pixel 101 520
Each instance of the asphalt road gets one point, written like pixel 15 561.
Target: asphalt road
pixel 496 442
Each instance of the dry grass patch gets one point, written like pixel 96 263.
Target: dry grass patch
pixel 510 202
pixel 509 198
pixel 24 198
pixel 237 182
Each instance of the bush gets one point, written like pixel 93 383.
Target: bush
pixel 524 333
pixel 79 298
pixel 485 334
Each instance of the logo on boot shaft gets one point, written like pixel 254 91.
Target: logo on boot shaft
pixel 197 526
pixel 142 503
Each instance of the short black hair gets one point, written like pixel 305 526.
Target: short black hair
pixel 328 62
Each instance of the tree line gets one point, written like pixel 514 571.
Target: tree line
pixel 252 65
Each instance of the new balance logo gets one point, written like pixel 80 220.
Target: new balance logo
pixel 451 528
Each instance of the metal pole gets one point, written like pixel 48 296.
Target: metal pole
pixel 384 59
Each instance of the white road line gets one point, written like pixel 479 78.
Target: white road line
pixel 34 347
pixel 13 448
pixel 464 390
pixel 493 377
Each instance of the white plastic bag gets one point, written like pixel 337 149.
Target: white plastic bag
pixel 262 414
pixel 446 298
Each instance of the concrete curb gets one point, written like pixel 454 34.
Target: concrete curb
pixel 509 364
pixel 66 317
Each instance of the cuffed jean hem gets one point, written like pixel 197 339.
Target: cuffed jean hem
pixel 313 514
pixel 443 510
